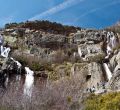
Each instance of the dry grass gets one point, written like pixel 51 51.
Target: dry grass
pixel 64 94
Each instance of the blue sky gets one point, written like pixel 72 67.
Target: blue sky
pixel 83 13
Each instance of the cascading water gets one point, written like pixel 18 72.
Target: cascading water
pixel 18 65
pixel 29 80
pixel 109 74
pixel 5 51
pixel 111 43
pixel 79 51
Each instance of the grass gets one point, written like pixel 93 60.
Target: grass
pixel 109 101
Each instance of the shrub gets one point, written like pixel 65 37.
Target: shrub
pixel 110 101
pixel 36 66
pixel 69 99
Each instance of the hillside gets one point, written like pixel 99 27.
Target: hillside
pixel 47 26
pixel 74 62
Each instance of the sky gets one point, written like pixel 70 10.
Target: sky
pixel 83 13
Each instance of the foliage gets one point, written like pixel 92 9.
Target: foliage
pixel 69 99
pixel 109 101
pixel 36 66
pixel 48 26
pixel 115 28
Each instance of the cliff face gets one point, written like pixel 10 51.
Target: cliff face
pixel 92 47
pixel 91 57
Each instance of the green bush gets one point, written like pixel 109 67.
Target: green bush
pixel 69 99
pixel 36 66
pixel 109 101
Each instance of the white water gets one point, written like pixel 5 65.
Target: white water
pixel 108 72
pixel 79 51
pixel 28 82
pixel 18 63
pixel 111 43
pixel 113 40
pixel 6 82
pixel 5 51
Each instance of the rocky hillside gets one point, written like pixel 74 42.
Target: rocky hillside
pixel 51 27
pixel 79 61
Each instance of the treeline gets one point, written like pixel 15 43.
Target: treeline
pixel 47 26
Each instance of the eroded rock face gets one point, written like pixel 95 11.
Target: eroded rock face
pixel 85 36
pixel 91 46
pixel 95 75
pixel 115 66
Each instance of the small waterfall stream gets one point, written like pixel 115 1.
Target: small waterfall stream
pixel 111 43
pixel 108 72
pixel 79 51
pixel 29 80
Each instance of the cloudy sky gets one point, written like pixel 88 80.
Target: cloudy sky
pixel 83 13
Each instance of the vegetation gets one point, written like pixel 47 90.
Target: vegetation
pixel 97 58
pixel 110 101
pixel 40 67
pixel 60 70
pixel 47 26
pixel 115 29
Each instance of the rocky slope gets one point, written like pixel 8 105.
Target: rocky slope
pixel 91 57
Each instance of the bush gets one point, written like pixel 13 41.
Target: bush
pixel 36 66
pixel 69 99
pixel 110 101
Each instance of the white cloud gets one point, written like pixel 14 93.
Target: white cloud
pixel 56 9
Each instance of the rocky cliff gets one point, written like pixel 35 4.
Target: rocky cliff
pixel 92 57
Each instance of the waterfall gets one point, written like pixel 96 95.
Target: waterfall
pixel 18 64
pixel 29 80
pixel 5 51
pixel 111 43
pixel 6 82
pixel 113 40
pixel 108 72
pixel 79 51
